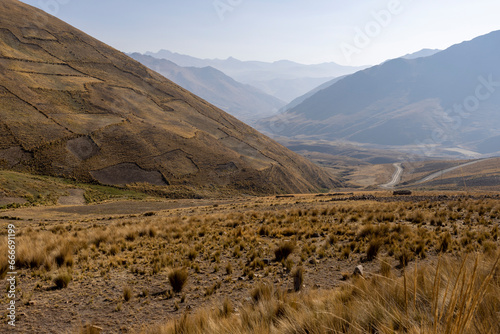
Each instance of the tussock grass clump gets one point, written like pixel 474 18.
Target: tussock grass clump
pixel 284 250
pixel 298 278
pixel 404 257
pixel 178 278
pixel 192 254
pixel 444 243
pixel 373 249
pixel 127 293
pixel 64 256
pixel 262 292
pixel 62 280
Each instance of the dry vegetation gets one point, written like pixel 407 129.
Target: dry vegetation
pixel 268 265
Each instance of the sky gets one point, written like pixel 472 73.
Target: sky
pixel 346 32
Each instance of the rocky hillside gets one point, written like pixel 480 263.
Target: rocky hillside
pixel 72 106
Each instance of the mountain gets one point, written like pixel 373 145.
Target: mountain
pixel 445 103
pixel 421 53
pixel 74 107
pixel 242 101
pixel 300 99
pixel 304 97
pixel 282 79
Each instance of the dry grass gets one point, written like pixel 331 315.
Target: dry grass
pixel 228 252
pixel 62 280
pixel 454 297
pixel 178 278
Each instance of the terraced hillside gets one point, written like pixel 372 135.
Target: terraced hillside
pixel 72 106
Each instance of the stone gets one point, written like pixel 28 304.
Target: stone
pixel 358 271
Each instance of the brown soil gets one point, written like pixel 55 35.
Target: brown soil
pixel 95 295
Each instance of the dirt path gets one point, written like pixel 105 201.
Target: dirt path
pixel 396 177
pixel 448 170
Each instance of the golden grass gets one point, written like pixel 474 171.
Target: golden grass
pixel 229 251
pixel 454 297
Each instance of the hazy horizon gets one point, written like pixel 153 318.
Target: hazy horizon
pixel 328 31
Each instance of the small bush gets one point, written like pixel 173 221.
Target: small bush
pixel 373 249
pixel 113 250
pixel 62 280
pixel 178 278
pixel 127 293
pixel 263 231
pixel 445 243
pixel 284 250
pixel 64 256
pixel 227 308
pixel 404 257
pixel 298 278
pixel 192 254
pixel 229 269
pixel 262 292
pixel 345 253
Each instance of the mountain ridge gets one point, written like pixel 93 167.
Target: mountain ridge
pixel 409 102
pixel 74 107
pixel 282 79
pixel 243 101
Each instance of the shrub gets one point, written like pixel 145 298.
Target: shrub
pixel 227 308
pixel 229 269
pixel 298 278
pixel 345 253
pixel 262 292
pixel 284 250
pixel 192 254
pixel 64 256
pixel 445 242
pixel 127 293
pixel 404 257
pixel 178 278
pixel 263 231
pixel 62 280
pixel 373 249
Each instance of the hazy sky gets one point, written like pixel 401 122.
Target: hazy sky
pixel 314 31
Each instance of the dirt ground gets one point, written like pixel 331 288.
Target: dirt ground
pixel 216 229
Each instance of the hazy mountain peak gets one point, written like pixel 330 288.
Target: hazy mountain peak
pixel 283 79
pixel 240 100
pixel 447 100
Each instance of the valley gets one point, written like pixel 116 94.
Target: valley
pixel 160 193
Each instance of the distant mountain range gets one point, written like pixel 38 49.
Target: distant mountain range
pixel 445 103
pixel 300 99
pixel 244 102
pixel 72 106
pixel 421 53
pixel 285 80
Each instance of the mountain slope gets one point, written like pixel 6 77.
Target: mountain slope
pixel 72 106
pixel 421 53
pixel 285 80
pixel 242 101
pixel 304 97
pixel 447 101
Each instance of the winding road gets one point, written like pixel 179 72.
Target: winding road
pixel 396 177
pixel 444 171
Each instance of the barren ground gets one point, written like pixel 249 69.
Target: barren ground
pixel 228 248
